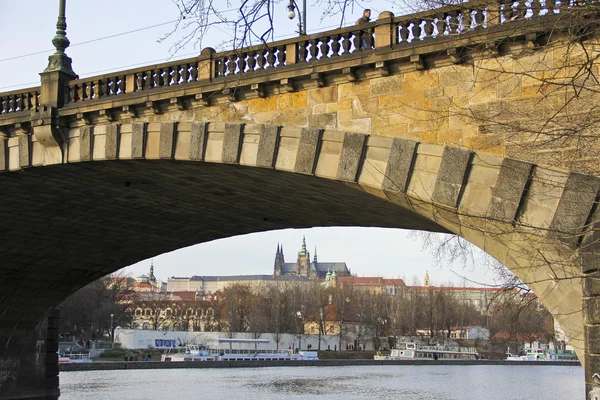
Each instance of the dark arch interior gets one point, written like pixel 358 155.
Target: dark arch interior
pixel 67 225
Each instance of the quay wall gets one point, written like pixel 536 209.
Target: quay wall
pixel 105 366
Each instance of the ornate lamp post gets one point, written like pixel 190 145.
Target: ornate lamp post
pixel 302 19
pixel 59 60
pixel 112 331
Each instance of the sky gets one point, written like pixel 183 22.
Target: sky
pixel 28 26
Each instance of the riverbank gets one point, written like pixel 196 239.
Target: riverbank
pixel 123 365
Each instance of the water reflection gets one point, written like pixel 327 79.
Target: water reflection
pixel 355 382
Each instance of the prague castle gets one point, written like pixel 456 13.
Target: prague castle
pixel 302 270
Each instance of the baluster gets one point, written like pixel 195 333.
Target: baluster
pixel 186 73
pixel 325 47
pixel 194 72
pixel 521 9
pixel 479 19
pixel 73 95
pixel 158 78
pixel 271 57
pixel 346 43
pixel 113 86
pixel 453 23
pixel 29 97
pixel 86 91
pixel 251 63
pixel 369 38
pixel 439 25
pixel 5 106
pixel 551 5
pixel 536 7
pixel 19 102
pixel 335 45
pixel 148 79
pixel 280 56
pixel 466 19
pixel 121 84
pixel 226 66
pixel 314 51
pixel 139 81
pixel 404 32
pixel 428 28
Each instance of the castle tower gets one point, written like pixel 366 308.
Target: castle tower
pixel 151 277
pixel 279 260
pixel 303 262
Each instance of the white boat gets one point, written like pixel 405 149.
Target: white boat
pixel 74 358
pixel 529 354
pixel 413 351
pixel 229 353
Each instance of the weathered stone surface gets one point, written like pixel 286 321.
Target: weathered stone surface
pixel 112 142
pixel 3 153
pixel 591 285
pixel 198 141
pixel 399 165
pixel 323 121
pixel 24 150
pixel 509 188
pixel 267 146
pixel 351 157
pixel 85 143
pixel 593 338
pixel 232 143
pixel 590 249
pixel 138 140
pixel 308 150
pixel 591 310
pixel 451 176
pixel 167 140
pixel 578 198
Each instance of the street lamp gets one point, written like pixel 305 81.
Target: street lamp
pixel 112 332
pixel 302 19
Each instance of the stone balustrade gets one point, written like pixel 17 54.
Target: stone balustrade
pixel 20 100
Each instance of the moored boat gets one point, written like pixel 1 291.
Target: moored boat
pixel 229 353
pixel 414 351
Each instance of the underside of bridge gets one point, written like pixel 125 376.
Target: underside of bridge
pixel 71 224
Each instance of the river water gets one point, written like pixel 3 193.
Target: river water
pixel 489 382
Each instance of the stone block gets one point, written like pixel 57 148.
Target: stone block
pixel 85 143
pixel 593 338
pixel 508 191
pixel 111 143
pixel 24 150
pixel 591 285
pixel 322 95
pixel 262 104
pixel 138 140
pixel 198 137
pixel 267 146
pixel 576 203
pixel 167 139
pixel 590 249
pixel 291 100
pixel 323 121
pixel 308 151
pixel 451 176
pixel 350 91
pixel 399 165
pixel 387 85
pixel 232 142
pixel 351 157
pixel 591 310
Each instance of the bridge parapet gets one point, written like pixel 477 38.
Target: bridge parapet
pixel 462 25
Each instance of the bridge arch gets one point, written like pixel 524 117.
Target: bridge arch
pixel 128 191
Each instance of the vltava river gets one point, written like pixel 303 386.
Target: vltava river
pixel 527 382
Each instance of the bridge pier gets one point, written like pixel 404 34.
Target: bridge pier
pixel 28 356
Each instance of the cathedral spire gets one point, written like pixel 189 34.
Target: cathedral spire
pixel 315 254
pixel 151 276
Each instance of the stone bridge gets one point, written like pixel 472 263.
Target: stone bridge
pixel 451 120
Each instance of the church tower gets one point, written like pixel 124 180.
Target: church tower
pixel 279 260
pixel 303 262
pixel 427 281
pixel 151 277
